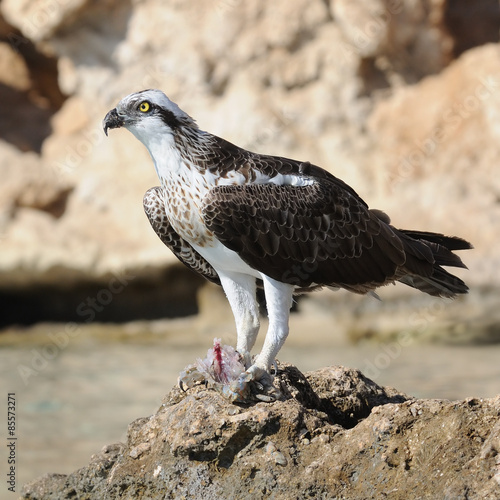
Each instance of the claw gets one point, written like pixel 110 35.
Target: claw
pixel 256 382
pixel 265 398
pixel 275 367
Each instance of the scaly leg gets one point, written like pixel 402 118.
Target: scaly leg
pixel 279 298
pixel 240 290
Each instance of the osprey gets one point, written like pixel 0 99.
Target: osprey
pixel 243 220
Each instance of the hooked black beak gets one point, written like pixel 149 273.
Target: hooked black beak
pixel 112 120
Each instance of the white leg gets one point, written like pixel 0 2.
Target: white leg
pixel 240 290
pixel 279 301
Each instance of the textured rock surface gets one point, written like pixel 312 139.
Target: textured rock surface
pixel 396 98
pixel 453 134
pixel 334 434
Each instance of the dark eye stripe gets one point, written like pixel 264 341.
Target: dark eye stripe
pixel 168 117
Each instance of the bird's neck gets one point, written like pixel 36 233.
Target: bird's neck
pixel 166 156
pixel 177 154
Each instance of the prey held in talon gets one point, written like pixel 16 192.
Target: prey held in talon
pixel 240 219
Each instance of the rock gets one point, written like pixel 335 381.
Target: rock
pixel 38 20
pixel 13 69
pixel 340 84
pixel 455 135
pixel 399 39
pixel 334 433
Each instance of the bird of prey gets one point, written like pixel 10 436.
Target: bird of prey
pixel 243 220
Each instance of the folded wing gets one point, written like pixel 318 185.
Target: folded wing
pixel 324 234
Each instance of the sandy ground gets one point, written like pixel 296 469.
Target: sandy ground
pixel 77 388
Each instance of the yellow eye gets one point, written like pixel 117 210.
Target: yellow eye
pixel 144 107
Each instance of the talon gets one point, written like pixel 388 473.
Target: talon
pixel 260 387
pixel 265 398
pixel 275 367
pixel 258 373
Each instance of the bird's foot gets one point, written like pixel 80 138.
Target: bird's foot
pixel 223 371
pixel 252 384
pixel 262 384
pixel 249 385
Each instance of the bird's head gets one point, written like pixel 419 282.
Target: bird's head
pixel 147 114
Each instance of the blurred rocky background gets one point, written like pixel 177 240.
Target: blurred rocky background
pixel 399 98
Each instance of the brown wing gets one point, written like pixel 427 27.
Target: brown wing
pixel 320 233
pixel 154 208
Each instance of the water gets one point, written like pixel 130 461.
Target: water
pixel 77 390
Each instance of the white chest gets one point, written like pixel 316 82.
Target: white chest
pixel 184 187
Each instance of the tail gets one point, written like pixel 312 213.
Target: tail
pixel 426 253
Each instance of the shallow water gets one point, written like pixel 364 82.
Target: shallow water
pixel 76 393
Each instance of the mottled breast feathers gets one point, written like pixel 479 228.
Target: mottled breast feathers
pixel 154 207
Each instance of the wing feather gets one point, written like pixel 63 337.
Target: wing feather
pixel 308 228
pixel 319 233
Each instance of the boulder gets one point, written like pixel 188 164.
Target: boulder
pixel 334 433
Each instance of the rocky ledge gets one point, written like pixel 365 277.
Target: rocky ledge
pixel 333 434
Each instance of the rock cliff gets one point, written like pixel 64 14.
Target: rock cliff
pixel 399 99
pixel 333 434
